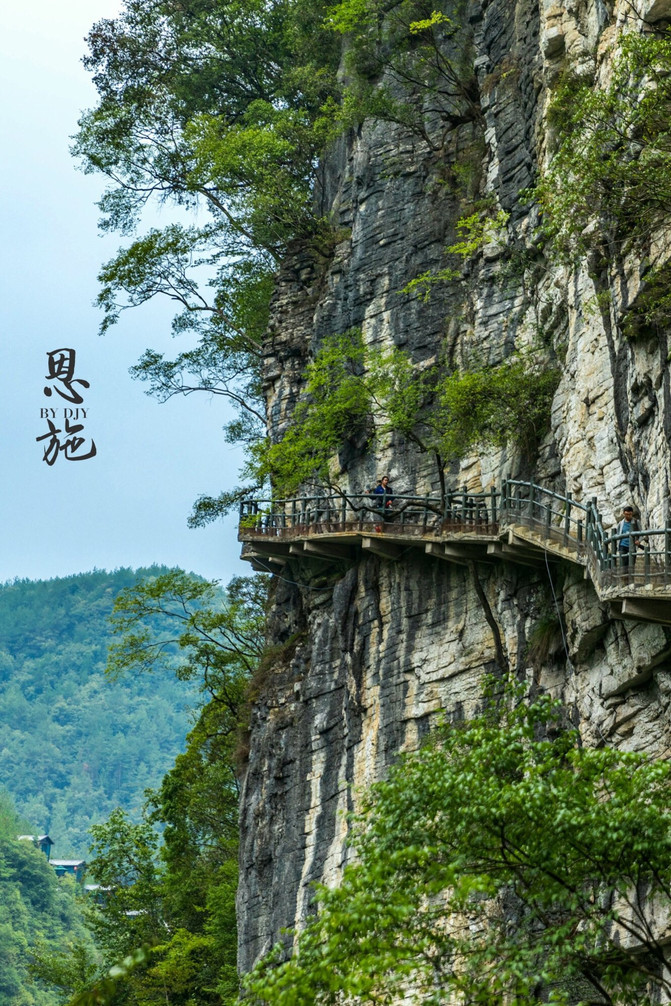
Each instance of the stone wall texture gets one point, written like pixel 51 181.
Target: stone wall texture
pixel 368 653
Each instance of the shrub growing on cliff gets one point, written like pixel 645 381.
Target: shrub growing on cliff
pixel 609 182
pixel 355 393
pixel 503 862
pixel 409 62
pixel 496 406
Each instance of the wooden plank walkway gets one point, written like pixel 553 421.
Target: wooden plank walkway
pixel 521 522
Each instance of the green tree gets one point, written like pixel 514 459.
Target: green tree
pixel 69 970
pixel 217 106
pixel 175 896
pixel 502 863
pixel 409 62
pixel 608 184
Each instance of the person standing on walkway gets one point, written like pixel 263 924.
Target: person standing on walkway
pixel 385 495
pixel 626 547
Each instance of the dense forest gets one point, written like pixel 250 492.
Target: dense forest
pixel 75 745
pixel 39 914
pixel 162 844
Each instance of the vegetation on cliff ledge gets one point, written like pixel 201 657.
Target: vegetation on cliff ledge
pixel 502 863
pixel 355 394
pixel 608 185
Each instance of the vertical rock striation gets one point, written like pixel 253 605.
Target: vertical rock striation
pixel 366 654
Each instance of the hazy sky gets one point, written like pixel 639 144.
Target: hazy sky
pixel 128 505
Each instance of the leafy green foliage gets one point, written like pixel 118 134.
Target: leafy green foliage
pixel 608 184
pixel 229 325
pixel 506 404
pixel 213 102
pixel 67 970
pixel 75 745
pixel 221 107
pixel 39 915
pixel 503 862
pixel 123 861
pixel 106 989
pixel 176 896
pixel 651 310
pixel 477 229
pixel 335 410
pixel 356 393
pixel 409 62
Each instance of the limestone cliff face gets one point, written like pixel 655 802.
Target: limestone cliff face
pixel 368 653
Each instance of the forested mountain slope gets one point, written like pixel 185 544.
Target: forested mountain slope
pixel 73 744
pixel 38 913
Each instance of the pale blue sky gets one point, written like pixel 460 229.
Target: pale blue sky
pixel 128 505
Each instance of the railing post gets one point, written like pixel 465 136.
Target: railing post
pixel 594 519
pixel 548 516
pixel 589 527
pixel 567 517
pixel 612 552
pixel 464 504
pixel 646 561
pixel 293 512
pixel 579 531
pixel 531 503
pixel 492 504
pixel 504 496
pixel 667 555
pixel 602 540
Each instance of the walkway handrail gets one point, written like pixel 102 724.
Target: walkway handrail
pixel 554 518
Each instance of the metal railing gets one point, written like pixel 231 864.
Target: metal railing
pixel 337 514
pixel 553 518
pixel 579 528
pixel 645 562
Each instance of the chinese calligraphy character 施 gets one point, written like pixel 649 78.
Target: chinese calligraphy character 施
pixel 61 369
pixel 69 447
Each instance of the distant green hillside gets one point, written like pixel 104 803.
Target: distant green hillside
pixel 74 745
pixel 38 914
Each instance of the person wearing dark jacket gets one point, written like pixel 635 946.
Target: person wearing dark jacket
pixel 385 496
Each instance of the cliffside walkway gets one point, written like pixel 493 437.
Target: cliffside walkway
pixel 521 522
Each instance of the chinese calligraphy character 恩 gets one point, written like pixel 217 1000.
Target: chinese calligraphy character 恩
pixel 62 371
pixel 64 438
